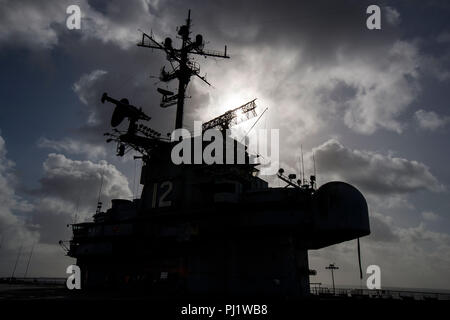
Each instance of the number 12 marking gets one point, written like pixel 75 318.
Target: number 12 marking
pixel 162 202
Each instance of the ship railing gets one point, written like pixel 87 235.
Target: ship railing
pixel 80 230
pixel 378 294
pixel 33 280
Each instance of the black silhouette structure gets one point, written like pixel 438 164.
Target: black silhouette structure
pixel 332 267
pixel 206 229
pixel 186 67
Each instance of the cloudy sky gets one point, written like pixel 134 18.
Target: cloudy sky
pixel 371 104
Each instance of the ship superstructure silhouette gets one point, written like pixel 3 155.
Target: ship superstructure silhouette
pixel 208 228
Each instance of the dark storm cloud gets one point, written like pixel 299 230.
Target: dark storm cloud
pixel 297 56
pixel 107 41
pixel 315 59
pixel 314 35
pixel 42 25
pixel 320 25
pixel 30 23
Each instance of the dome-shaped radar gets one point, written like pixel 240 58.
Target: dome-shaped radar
pixel 340 214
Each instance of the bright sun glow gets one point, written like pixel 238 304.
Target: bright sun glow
pixel 232 102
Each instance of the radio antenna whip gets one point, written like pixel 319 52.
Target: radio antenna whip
pixel 254 124
pixel 17 260
pixel 99 204
pixel 314 163
pixel 303 167
pixel 29 260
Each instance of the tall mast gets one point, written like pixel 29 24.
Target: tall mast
pixel 303 167
pixel 185 68
pixel 17 260
pixel 185 76
pixel 29 260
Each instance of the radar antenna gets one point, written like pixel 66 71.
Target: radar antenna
pixel 138 136
pixel 232 117
pixel 186 67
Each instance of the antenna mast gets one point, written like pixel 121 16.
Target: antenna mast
pixel 314 162
pixel 185 68
pixel 332 267
pixel 29 260
pixel 99 204
pixel 17 261
pixel 303 167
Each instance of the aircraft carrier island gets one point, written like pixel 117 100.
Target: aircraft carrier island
pixel 208 228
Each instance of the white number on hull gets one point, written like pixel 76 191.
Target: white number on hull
pixel 168 186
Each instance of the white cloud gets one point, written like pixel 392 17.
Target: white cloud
pixel 31 23
pixel 81 87
pixel 14 229
pixel 381 228
pixel 366 94
pixel 72 146
pixel 430 120
pixel 436 65
pixel 383 94
pixel 373 172
pixel 68 180
pixel 421 234
pixel 430 216
pixel 365 87
pixel 382 83
pixel 392 15
pixel 69 191
pixel 41 24
pixel 120 23
pixel 17 231
pixel 409 257
pixel 68 188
